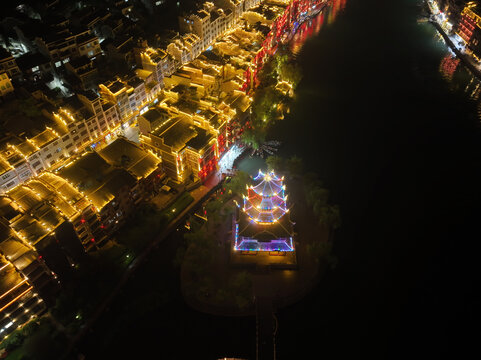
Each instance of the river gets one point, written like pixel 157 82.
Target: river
pixel 389 120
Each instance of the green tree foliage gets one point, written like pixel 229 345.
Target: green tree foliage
pixel 330 216
pixel 29 108
pixel 13 341
pixel 142 227
pixel 318 196
pixel 238 183
pixel 214 208
pixel 253 137
pixel 268 75
pixel 265 106
pixel 319 249
pixel 291 72
pixel 199 255
pixel 240 287
pixel 29 328
pixel 275 163
pixel 294 166
pixel 280 61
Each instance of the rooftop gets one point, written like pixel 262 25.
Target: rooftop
pixel 202 14
pixel 201 140
pixel 115 86
pixel 86 38
pixel 155 116
pixel 96 178
pixel 214 15
pixel 80 61
pixel 4 53
pixel 282 229
pixel 124 153
pixel 176 132
pixel 30 60
pixel 134 81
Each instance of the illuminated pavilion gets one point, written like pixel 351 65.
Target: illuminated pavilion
pixel 263 223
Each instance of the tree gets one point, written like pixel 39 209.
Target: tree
pixel 30 328
pixel 275 163
pixel 213 209
pixel 317 197
pixel 294 166
pixel 330 216
pixel 253 138
pixel 265 105
pixel 240 286
pixel 290 72
pixel 280 61
pixel 238 183
pixel 311 179
pixel 29 108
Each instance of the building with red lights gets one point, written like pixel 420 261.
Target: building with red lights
pixel 469 29
pixel 187 149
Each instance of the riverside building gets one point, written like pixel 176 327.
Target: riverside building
pixel 469 29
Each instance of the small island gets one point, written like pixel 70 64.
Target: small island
pixel 266 237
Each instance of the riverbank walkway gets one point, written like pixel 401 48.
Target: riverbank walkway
pixel 200 195
pixel 265 329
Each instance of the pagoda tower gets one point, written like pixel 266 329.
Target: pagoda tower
pixel 263 223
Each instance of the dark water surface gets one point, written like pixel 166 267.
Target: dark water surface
pixel 393 130
pixel 390 122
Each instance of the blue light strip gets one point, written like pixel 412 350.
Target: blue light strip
pixel 248 244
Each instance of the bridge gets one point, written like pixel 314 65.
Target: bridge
pixel 266 325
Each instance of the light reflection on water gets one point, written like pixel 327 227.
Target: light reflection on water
pixel 252 164
pixel 455 73
pixel 314 25
pixel 459 77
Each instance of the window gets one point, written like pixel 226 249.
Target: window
pixel 49 156
pixel 36 164
pixel 83 133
